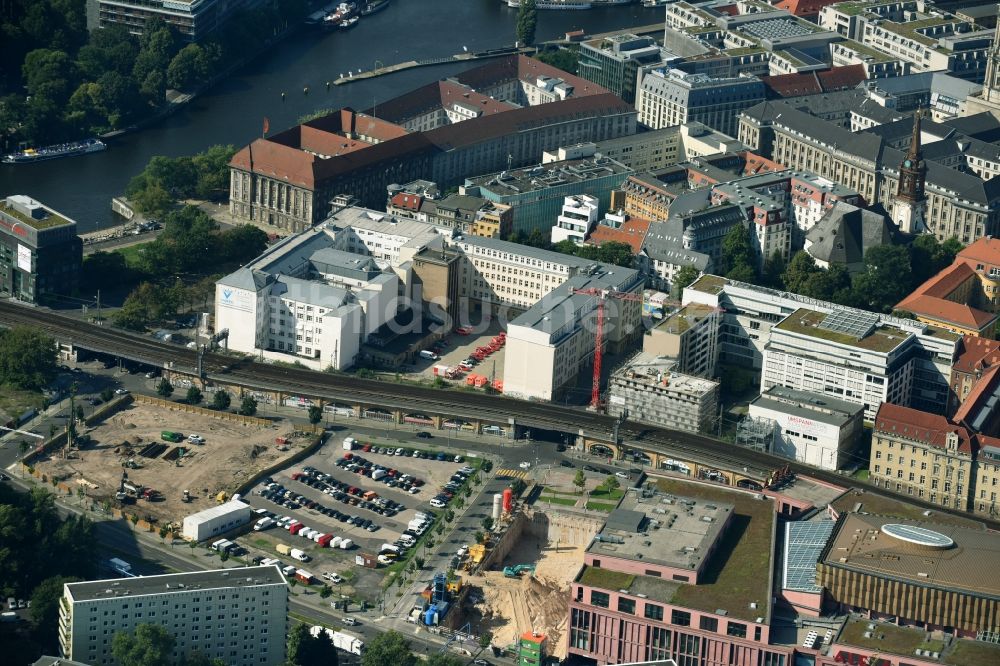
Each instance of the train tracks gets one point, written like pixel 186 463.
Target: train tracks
pixel 459 404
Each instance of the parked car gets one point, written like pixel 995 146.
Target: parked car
pixel 566 463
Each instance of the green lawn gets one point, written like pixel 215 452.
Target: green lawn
pixel 606 579
pixel 132 253
pixel 15 401
pixel 616 494
pixel 861 475
pixel 601 506
pixel 568 493
pixel 564 501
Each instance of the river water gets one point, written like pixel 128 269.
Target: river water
pixel 233 112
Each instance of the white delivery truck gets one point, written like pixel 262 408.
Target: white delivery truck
pixel 350 443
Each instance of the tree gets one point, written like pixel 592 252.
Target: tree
pixel 194 396
pixel 79 412
pixel 445 659
pixel 527 20
pixel 45 608
pixel 685 277
pixel 580 480
pixel 798 271
pixel 199 658
pixel 307 650
pixel 103 270
pixel 419 561
pixel 249 406
pixel 213 171
pixel 107 394
pixel 189 68
pixel 736 248
pixel 487 523
pixel 616 253
pixel 827 285
pixel 774 267
pixel 885 280
pixel 164 388
pixel 389 648
pixel 27 358
pixel 610 484
pixel 568 60
pixel 150 645
pixel 742 273
pixel 49 74
pixel 315 414
pixel 485 639
pixel 221 400
pixel 242 243
pixel 480 537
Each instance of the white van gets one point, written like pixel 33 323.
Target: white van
pixel 429 355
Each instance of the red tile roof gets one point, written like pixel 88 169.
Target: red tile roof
pixel 804 7
pixel 755 164
pixel 407 201
pixel 814 83
pixel 983 251
pixel 921 426
pixel 931 299
pixel 983 389
pixel 633 232
pixel 977 354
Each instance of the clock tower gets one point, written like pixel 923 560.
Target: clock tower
pixel 909 208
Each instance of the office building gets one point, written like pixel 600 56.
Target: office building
pixel 537 193
pixel 654 391
pixel 553 341
pixel 690 335
pixel 645 593
pixel 673 97
pixel 928 38
pixel 40 253
pixel 883 564
pixel 751 314
pixel 318 296
pixel 578 217
pixel 943 95
pixel 959 202
pixel 286 179
pixel 923 455
pixel 238 616
pixel 811 428
pixel 613 62
pixel 216 520
pixel 192 19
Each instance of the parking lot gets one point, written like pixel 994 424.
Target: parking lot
pixel 459 348
pixel 340 496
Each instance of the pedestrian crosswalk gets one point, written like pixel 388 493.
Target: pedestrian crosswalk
pixel 512 474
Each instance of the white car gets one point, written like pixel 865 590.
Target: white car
pixel 414 490
pixel 436 503
pixel 196 439
pixel 333 578
pixel 525 465
pixel 121 391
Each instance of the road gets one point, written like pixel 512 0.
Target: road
pixel 453 404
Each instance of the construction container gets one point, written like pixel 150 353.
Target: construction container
pixel 216 520
pixel 508 500
pixel 303 576
pixel 497 506
pixel 325 540
pixel 283 548
pixel 366 560
pixel 346 544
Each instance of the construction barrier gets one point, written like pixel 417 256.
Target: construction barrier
pixel 194 409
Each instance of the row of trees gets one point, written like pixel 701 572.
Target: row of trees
pixel 81 83
pixel 27 358
pixel 165 179
pixel 39 551
pixel 612 252
pixel 526 22
pixel 890 272
pixel 221 400
pixel 153 645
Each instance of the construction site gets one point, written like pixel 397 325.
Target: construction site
pixel 163 463
pixel 522 583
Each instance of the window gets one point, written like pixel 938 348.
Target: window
pixel 599 599
pixel 653 612
pixel 680 618
pixel 736 629
pixel 708 623
pixel 626 605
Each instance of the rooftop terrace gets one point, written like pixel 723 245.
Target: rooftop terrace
pixel 807 322
pixel 53 219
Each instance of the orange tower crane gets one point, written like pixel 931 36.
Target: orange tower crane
pixel 602 295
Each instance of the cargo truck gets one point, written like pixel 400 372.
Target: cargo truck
pixel 350 443
pixel 283 548
pixel 347 643
pixel 303 577
pixel 170 436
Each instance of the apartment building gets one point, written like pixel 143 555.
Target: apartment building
pixel 923 455
pixel 809 427
pixel 451 214
pixel 192 19
pixel 751 314
pixel 670 96
pixel 40 253
pixel 613 62
pixel 578 216
pixel 977 356
pixel 940 93
pixel 653 390
pixel 238 616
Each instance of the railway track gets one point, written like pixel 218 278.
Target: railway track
pixel 460 404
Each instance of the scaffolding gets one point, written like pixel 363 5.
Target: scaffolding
pixel 756 433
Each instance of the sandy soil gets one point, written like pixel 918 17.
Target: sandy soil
pixel 231 454
pixel 512 606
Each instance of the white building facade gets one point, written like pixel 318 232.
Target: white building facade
pixel 579 215
pixel 215 520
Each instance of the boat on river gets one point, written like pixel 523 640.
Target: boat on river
pixel 71 149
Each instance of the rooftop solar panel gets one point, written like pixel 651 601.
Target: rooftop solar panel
pixel 803 544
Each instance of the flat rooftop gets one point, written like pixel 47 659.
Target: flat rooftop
pixel 936 555
pixel 659 371
pixel 553 174
pixel 738 573
pixel 52 218
pixel 709 284
pixel 814 406
pixel 882 339
pixel 685 318
pixel 668 530
pixel 180 582
pixel 860 501
pixel 804 489
pixel 890 638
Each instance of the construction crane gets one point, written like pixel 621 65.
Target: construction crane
pixel 602 295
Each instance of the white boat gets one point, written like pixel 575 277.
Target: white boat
pixel 555 4
pixel 53 152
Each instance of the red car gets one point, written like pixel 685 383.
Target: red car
pixel 463 330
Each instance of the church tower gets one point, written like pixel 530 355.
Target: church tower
pixel 991 85
pixel 909 208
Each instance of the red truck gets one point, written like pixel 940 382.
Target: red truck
pixel 296 528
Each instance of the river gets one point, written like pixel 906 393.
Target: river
pixel 233 111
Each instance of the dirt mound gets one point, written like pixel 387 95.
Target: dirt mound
pixel 515 606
